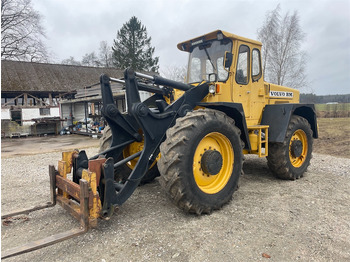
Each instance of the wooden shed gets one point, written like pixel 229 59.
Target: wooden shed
pixel 32 94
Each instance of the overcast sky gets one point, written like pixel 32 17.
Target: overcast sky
pixel 76 27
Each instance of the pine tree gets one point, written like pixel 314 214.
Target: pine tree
pixel 132 48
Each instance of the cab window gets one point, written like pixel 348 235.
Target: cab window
pixel 256 65
pixel 195 73
pixel 242 76
pixel 207 58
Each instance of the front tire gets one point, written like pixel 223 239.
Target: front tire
pixel 290 159
pixel 201 161
pixel 122 172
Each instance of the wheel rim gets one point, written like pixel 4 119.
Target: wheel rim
pixel 133 148
pixel 206 182
pixel 298 159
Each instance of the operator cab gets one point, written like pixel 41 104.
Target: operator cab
pixel 211 56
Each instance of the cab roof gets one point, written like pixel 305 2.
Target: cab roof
pixel 186 45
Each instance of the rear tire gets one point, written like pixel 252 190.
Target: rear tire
pixel 122 172
pixel 201 161
pixel 290 159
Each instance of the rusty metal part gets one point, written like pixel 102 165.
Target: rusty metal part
pixel 80 200
pixel 48 241
pixel 96 165
pixel 95 209
pixel 35 245
pixel 68 158
pixel 52 174
pixel 27 210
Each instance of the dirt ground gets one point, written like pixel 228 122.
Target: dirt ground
pixel 11 147
pixel 334 137
pixel 267 220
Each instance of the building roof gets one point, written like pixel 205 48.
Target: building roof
pixel 19 76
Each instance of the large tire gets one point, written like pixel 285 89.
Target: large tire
pixel 122 172
pixel 290 159
pixel 201 161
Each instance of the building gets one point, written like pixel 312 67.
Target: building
pixel 39 98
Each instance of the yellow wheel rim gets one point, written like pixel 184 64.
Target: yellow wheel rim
pixel 133 148
pixel 212 184
pixel 299 159
pixel 130 150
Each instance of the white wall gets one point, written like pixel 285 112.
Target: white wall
pixel 143 96
pixel 30 113
pixel 79 111
pixel 5 114
pixel 54 112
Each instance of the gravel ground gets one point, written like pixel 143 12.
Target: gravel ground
pixel 267 220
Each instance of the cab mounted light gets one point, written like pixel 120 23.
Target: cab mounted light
pixel 220 36
pixel 196 42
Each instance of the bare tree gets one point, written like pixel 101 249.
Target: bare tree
pixel 105 54
pixel 173 72
pixel 70 61
pixel 283 60
pixel 21 32
pixel 103 59
pixel 90 59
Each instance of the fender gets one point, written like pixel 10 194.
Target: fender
pixel 236 112
pixel 277 116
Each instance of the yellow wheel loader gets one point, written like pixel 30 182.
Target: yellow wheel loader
pixel 192 134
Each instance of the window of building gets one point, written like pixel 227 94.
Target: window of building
pixel 16 116
pixel 44 111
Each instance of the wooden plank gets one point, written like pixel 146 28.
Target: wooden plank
pixel 84 203
pixel 52 174
pixel 95 91
pixel 72 189
pixel 68 186
pixel 70 206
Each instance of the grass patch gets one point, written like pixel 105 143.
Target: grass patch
pixel 333 110
pixel 333 107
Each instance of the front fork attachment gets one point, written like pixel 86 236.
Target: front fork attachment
pixel 153 125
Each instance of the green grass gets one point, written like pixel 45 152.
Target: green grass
pixel 333 110
pixel 333 107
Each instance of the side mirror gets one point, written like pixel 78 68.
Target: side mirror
pixel 213 77
pixel 228 59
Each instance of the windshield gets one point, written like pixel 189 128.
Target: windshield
pixel 208 58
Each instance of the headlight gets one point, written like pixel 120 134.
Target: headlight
pixel 212 89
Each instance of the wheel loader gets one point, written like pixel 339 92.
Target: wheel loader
pixel 193 135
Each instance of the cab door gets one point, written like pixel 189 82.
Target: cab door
pixel 257 94
pixel 248 78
